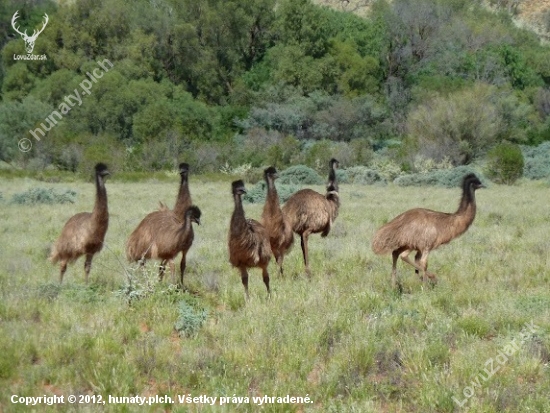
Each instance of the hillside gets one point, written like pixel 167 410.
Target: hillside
pixel 532 14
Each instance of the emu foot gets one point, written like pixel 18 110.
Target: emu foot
pixel 431 278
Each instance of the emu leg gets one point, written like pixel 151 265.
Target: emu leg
pixel 279 260
pixel 62 271
pixel 417 261
pixel 162 268
pixel 244 279
pixel 421 266
pixel 182 269
pixel 265 274
pixel 304 237
pixel 88 266
pixel 424 265
pixel 395 256
pixel 405 257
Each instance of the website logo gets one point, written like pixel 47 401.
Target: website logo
pixel 29 40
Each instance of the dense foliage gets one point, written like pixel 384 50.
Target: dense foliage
pixel 505 163
pixel 263 82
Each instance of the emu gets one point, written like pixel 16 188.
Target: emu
pixel 171 235
pixel 248 241
pixel 309 212
pixel 144 236
pixel 83 234
pixel 424 230
pixel 276 224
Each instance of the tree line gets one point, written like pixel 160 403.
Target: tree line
pixel 276 82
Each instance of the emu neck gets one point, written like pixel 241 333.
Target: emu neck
pixel 238 219
pixel 272 195
pixel 332 180
pixel 100 208
pixel 184 198
pixel 466 212
pixel 187 224
pixel 467 202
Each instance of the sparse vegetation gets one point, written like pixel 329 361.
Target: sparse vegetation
pixel 41 195
pixel 344 337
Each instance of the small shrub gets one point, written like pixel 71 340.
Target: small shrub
pixel 361 175
pixel 536 161
pixel 448 178
pixel 386 168
pixel 140 283
pixel 44 196
pixel 257 194
pixel 505 163
pixel 190 319
pixel 300 174
pixel 423 165
pixel 238 170
pixel 342 176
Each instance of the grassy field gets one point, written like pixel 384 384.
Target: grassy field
pixel 343 338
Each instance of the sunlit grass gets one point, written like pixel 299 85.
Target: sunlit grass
pixel 343 337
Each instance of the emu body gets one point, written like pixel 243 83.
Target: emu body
pixel 424 230
pixel 161 235
pixel 309 212
pixel 84 233
pixel 248 241
pixel 276 224
pixel 150 228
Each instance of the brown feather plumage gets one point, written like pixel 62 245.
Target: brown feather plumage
pixel 276 224
pixel 248 241
pixel 309 212
pixel 162 235
pixel 149 229
pixel 84 233
pixel 424 230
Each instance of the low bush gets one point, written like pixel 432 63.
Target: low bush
pixel 537 161
pixel 190 319
pixel 342 176
pixel 505 163
pixel 300 174
pixel 361 175
pixel 44 196
pixel 257 194
pixel 448 178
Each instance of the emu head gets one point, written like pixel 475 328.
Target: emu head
pixel 194 213
pixel 238 187
pixel 334 164
pixel 29 40
pixel 184 168
pixel 101 170
pixel 270 172
pixel 471 180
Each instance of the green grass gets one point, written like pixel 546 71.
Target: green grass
pixel 343 337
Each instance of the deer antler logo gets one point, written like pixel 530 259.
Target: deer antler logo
pixel 29 40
